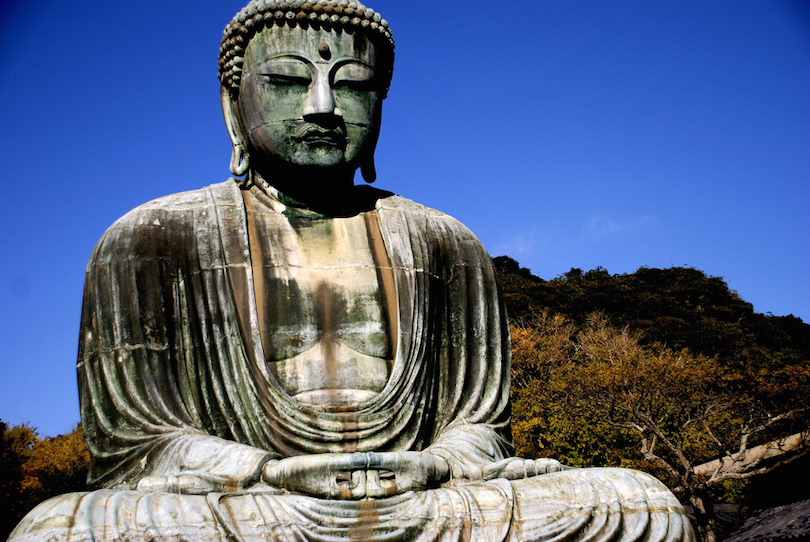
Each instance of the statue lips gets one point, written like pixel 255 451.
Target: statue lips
pixel 319 136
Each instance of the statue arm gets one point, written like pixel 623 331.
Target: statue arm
pixel 154 399
pixel 478 452
pixel 475 440
pixel 195 463
pixel 468 449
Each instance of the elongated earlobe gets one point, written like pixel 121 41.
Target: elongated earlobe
pixel 368 170
pixel 240 160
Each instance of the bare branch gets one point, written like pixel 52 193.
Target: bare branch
pixel 655 458
pixel 653 443
pixel 676 449
pixel 748 460
pixel 776 419
pixel 625 425
pixel 712 436
pixel 755 472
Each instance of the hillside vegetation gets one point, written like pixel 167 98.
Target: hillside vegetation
pixel 663 370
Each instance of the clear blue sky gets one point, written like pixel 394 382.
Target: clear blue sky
pixel 565 134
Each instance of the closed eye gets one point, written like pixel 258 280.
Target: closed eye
pixel 286 80
pixel 357 86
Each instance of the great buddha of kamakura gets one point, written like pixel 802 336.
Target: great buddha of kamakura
pixel 288 356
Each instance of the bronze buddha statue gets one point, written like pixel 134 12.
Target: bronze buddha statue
pixel 288 356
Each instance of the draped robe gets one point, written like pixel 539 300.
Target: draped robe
pixel 173 380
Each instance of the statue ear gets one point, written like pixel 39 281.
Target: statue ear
pixel 239 157
pixel 367 168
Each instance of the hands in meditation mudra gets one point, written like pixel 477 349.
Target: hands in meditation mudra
pixel 288 356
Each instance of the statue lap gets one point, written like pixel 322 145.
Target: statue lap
pixel 577 504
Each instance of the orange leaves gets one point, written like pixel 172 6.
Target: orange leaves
pixel 540 347
pixel 33 469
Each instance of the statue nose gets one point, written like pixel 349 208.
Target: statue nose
pixel 321 101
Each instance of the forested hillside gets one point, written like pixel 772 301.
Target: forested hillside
pixel 680 307
pixel 666 370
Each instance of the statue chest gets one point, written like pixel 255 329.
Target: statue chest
pixel 325 304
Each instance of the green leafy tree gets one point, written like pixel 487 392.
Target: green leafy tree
pixel 680 307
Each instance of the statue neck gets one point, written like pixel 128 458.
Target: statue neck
pixel 330 195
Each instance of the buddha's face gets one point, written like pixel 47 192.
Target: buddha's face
pixel 309 97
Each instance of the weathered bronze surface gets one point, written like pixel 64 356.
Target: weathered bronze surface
pixel 289 356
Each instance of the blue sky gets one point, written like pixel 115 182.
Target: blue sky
pixel 565 134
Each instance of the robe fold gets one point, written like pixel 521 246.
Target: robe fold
pixel 173 380
pixel 171 367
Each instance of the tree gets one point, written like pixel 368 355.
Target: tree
pixel 15 444
pixel 681 307
pixel 590 393
pixel 33 469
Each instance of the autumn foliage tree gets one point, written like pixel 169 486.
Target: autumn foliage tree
pixel 595 395
pixel 34 468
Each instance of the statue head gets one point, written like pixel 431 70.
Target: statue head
pixel 303 84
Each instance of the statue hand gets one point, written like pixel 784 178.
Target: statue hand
pixel 356 475
pixel 188 483
pixel 516 468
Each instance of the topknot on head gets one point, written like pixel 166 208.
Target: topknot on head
pixel 349 15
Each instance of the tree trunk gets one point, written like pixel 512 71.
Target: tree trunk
pixel 704 516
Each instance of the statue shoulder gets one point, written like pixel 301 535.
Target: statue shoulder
pixel 183 205
pixel 431 217
pixel 167 223
pixel 454 242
